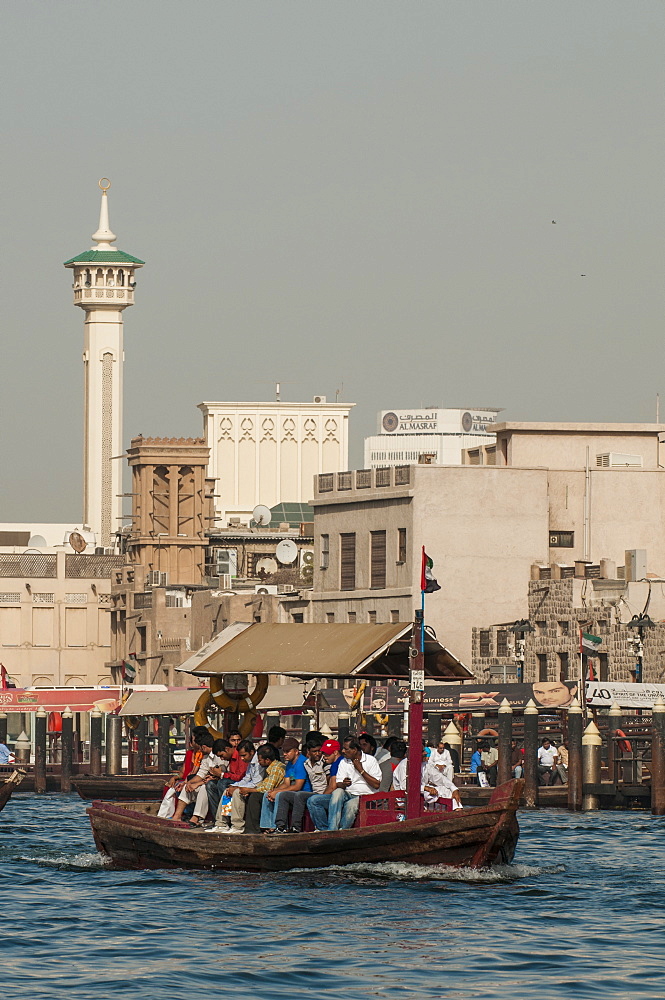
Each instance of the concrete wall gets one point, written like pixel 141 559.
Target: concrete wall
pixel 564 446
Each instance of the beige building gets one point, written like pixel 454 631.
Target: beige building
pixel 55 617
pixel 557 493
pixel 268 453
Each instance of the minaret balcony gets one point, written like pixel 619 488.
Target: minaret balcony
pixel 104 296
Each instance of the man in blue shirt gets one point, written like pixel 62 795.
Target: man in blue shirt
pixel 5 754
pixel 296 779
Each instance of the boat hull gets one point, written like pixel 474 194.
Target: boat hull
pixel 133 836
pixel 9 786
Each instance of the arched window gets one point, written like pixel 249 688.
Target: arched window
pixel 99 277
pixel 110 279
pixel 121 277
pixel 87 278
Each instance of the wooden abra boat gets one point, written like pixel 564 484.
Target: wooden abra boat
pixel 133 836
pixel 121 786
pixel 8 786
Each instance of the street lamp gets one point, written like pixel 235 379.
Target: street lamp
pixel 520 629
pixel 635 642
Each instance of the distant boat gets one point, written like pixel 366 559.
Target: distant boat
pixel 9 786
pixel 133 836
pixel 121 786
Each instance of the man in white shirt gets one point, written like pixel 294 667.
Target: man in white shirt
pixel 219 753
pixel 358 774
pixel 433 784
pixel 547 761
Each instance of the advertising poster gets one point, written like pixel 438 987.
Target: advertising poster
pixel 552 695
pixel 603 694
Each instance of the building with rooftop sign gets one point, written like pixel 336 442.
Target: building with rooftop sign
pixel 405 436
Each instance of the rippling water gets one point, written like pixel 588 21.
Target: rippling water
pixel 579 914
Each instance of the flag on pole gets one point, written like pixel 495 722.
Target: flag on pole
pixel 589 644
pixel 427 582
pixel 3 678
pixel 129 670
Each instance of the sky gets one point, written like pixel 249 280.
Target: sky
pixel 409 203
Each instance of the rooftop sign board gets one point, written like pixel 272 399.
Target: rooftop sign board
pixel 437 421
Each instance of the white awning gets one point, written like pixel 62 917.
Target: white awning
pixel 180 701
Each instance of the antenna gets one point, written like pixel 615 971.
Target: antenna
pixel 287 551
pixel 261 515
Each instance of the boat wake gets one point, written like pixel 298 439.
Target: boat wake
pixel 443 873
pixel 72 862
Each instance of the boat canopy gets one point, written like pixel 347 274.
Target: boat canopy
pixel 181 701
pixel 313 650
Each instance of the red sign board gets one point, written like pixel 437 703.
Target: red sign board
pixel 58 699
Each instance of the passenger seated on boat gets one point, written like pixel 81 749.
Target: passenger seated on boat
pixel 276 737
pixel 195 788
pixel 246 800
pixel 251 778
pixel 442 759
pixel 295 779
pixel 234 771
pixel 358 774
pixel 434 785
pixel 295 800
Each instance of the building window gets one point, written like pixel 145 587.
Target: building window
pixel 330 617
pixel 226 562
pixel 348 561
pixel 502 643
pixel 377 559
pixel 351 618
pixel 602 667
pixel 562 539
pixel 297 617
pixel 542 628
pixel 564 628
pixel 371 617
pixel 325 552
pixel 394 617
pixel 563 666
pixel 542 666
pixel 401 545
pixel 485 642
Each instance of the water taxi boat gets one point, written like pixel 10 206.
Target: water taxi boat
pixel 9 786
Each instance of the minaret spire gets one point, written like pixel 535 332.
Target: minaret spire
pixel 104 237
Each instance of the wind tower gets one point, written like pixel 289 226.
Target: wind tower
pixel 103 286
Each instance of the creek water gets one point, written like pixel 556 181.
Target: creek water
pixel 578 915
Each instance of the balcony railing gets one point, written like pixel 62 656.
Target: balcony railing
pixel 364 479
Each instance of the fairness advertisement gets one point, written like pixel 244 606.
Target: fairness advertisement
pixel 389 698
pixel 603 694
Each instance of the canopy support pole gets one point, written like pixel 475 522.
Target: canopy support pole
pixel 417 656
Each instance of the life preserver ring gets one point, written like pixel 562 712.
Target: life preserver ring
pixel 383 720
pixel 217 697
pixel 488 732
pixel 624 743
pixel 355 701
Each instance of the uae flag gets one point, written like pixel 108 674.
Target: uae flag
pixel 129 670
pixel 427 582
pixel 589 644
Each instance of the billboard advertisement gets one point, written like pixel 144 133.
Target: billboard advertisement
pixel 389 698
pixel 436 421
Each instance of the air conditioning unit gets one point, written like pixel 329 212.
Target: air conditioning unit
pixel 224 581
pixel 265 588
pixel 617 460
pixel 288 588
pixel 306 557
pixel 156 579
pixel 320 399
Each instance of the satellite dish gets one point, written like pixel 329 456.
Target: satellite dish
pixel 77 541
pixel 262 515
pixel 287 551
pixel 37 542
pixel 267 563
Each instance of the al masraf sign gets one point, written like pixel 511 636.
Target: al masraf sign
pixel 435 421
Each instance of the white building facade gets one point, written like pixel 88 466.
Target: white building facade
pixel 269 453
pixel 103 287
pixel 406 435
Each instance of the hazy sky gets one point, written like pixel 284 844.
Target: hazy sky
pixel 331 193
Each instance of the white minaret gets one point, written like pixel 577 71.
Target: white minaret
pixel 103 287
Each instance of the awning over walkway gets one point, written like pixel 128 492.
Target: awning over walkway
pixel 58 699
pixel 312 650
pixel 280 697
pixel 180 701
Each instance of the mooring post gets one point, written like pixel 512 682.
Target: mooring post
pixel 504 767
pixel 453 736
pixel 141 741
pixel 658 758
pixel 95 741
pixel 342 727
pixel 67 749
pixel 613 755
pixel 3 727
pixel 113 744
pixel 40 751
pixel 575 726
pixel 591 745
pixel 163 746
pixel 434 727
pixel 531 755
